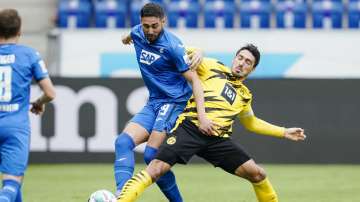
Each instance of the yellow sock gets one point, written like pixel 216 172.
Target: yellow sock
pixel 134 187
pixel 264 191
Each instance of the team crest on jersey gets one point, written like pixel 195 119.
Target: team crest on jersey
pixel 147 57
pixel 171 140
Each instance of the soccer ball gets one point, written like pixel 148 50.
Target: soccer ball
pixel 102 196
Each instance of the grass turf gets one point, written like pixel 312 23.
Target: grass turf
pixel 198 183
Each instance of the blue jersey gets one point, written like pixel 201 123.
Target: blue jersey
pixel 161 65
pixel 18 65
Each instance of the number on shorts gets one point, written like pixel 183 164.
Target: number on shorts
pixel 164 109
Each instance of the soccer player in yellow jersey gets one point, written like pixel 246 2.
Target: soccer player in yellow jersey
pixel 226 98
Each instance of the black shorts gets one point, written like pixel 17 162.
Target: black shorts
pixel 187 141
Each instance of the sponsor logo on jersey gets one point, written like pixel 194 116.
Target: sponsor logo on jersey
pixel 147 57
pixel 229 93
pixel 9 108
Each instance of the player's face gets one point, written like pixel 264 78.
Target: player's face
pixel 243 64
pixel 152 27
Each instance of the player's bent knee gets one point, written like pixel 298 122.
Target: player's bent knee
pixel 124 143
pixel 251 171
pixel 257 175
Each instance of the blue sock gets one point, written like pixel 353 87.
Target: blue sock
pixel 9 190
pixel 18 196
pixel 124 160
pixel 167 182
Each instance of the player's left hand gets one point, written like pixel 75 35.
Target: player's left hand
pixel 295 134
pixel 37 108
pixel 195 59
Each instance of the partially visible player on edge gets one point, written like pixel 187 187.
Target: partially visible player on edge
pixel 226 97
pixel 164 67
pixel 18 65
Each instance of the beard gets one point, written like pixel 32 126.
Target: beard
pixel 239 74
pixel 151 37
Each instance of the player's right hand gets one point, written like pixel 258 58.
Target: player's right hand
pixel 208 127
pixel 37 108
pixel 126 40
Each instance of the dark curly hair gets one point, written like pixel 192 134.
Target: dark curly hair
pixel 152 10
pixel 253 50
pixel 10 23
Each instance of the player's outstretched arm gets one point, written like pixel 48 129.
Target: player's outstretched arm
pixel 126 40
pixel 38 106
pixel 256 125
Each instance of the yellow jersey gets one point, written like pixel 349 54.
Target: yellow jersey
pixel 224 94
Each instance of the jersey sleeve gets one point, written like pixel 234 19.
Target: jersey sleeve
pixel 247 111
pixel 259 126
pixel 135 32
pixel 180 58
pixel 38 67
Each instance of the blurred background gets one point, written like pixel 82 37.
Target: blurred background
pixel 309 74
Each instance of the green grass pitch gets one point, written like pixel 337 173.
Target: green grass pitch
pixel 198 183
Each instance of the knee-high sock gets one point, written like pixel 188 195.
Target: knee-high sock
pixel 19 196
pixel 264 191
pixel 135 187
pixel 167 182
pixel 124 159
pixel 9 190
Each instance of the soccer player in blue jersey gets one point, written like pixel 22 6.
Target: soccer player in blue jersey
pixel 18 65
pixel 165 70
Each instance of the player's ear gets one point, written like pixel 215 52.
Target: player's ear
pixel 163 20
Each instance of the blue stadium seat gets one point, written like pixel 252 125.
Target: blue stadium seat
pixel 257 0
pixel 220 0
pixel 74 13
pixel 327 14
pixel 354 14
pixel 255 13
pixel 185 11
pixel 291 14
pixel 329 0
pixel 219 10
pixel 110 13
pixel 135 7
pixel 197 1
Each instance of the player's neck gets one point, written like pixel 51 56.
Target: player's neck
pixel 9 40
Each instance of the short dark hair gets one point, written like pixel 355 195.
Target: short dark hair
pixel 10 23
pixel 253 50
pixel 152 10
